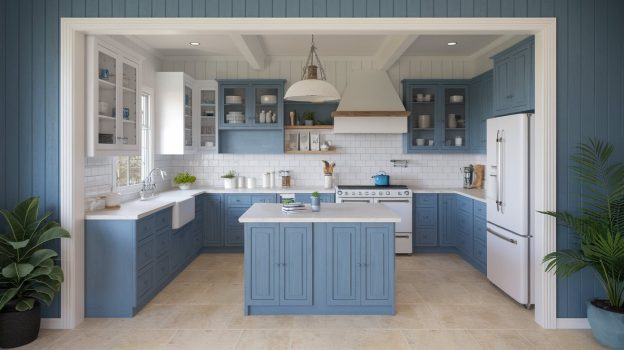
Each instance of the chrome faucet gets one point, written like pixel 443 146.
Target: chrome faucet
pixel 148 190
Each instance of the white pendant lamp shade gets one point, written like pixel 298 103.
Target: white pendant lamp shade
pixel 312 90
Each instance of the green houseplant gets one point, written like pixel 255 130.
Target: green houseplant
pixel 308 118
pixel 29 276
pixel 315 201
pixel 229 179
pixel 600 229
pixel 184 180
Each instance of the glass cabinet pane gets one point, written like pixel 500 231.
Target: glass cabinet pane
pixel 423 116
pixel 454 117
pixel 234 105
pixel 188 116
pixel 129 105
pixel 265 109
pixel 208 119
pixel 107 98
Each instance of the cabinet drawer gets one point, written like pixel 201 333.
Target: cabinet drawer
pixel 145 253
pixel 479 231
pixel 238 200
pixel 263 198
pixel 162 219
pixel 145 282
pixel 234 237
pixel 161 271
pixel 328 198
pixel 426 199
pixel 425 217
pixel 426 237
pixel 464 204
pixel 464 223
pixel 480 210
pixel 480 252
pixel 145 228
pixel 232 216
pixel 162 240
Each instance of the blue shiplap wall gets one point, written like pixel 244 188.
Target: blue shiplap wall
pixel 590 85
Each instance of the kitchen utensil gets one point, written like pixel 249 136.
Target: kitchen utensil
pixel 424 121
pixel 381 179
pixel 479 171
pixel 113 200
pixel 420 142
pixel 467 172
pixel 268 99
pixel 456 99
pixel 451 121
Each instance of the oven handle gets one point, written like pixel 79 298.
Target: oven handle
pixel 356 201
pixel 402 235
pixel 393 201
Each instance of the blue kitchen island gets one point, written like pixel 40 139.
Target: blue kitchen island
pixel 339 261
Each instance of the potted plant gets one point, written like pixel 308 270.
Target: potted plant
pixel 600 229
pixel 184 180
pixel 29 276
pixel 315 201
pixel 308 118
pixel 229 179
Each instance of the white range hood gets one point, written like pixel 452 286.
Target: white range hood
pixel 370 105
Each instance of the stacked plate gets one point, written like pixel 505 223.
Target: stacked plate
pixel 235 117
pixel 233 99
pixel 293 207
pixel 268 99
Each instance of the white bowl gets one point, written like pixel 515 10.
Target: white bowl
pixel 268 99
pixel 456 99
pixel 233 99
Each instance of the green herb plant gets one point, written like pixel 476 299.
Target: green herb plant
pixel 315 194
pixel 28 270
pixel 184 178
pixel 229 175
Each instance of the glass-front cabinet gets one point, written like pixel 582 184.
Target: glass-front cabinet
pixel 438 121
pixel 206 107
pixel 113 82
pixel 251 104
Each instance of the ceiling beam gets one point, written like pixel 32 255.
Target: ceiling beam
pixel 251 49
pixel 391 49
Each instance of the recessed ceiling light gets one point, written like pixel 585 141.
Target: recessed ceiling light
pixel 452 43
pixel 194 43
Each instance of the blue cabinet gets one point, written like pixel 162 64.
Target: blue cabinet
pixel 446 219
pixel 212 219
pixel 243 123
pixel 325 197
pixel 481 104
pixel 278 264
pixel 514 81
pixel 439 120
pixel 425 220
pixel 235 206
pixel 376 256
pixel 343 264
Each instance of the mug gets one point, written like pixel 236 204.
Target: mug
pixel 420 142
pixel 419 97
pixel 458 141
pixel 104 73
pixel 430 142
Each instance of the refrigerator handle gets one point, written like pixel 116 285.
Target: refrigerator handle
pixel 499 170
pixel 510 240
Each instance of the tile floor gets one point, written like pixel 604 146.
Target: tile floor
pixel 442 303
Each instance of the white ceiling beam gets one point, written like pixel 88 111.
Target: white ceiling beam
pixel 251 49
pixel 391 49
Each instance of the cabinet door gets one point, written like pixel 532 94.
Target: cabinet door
pixel 233 109
pixel 421 101
pixel 521 65
pixel 446 217
pixel 130 129
pixel 189 120
pixel 502 94
pixel 234 229
pixel 377 267
pixel 213 230
pixel 206 107
pixel 262 264
pixel 266 105
pixel 295 264
pixel 454 121
pixel 343 264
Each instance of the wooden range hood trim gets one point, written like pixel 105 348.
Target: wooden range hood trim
pixel 370 114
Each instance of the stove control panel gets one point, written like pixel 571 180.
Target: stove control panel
pixel 374 193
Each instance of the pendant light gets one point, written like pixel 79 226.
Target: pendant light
pixel 312 87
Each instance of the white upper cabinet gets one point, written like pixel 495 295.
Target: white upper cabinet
pixel 113 125
pixel 185 114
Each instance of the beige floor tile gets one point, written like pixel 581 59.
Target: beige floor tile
pixel 444 293
pixel 222 293
pixel 203 340
pixel 46 339
pixel 345 340
pixel 501 340
pixel 441 339
pixel 182 293
pixel 410 316
pixel 264 339
pixel 141 339
pixel 416 276
pixel 486 293
pixel 406 293
pixel 483 316
pixel 336 322
pixel 561 339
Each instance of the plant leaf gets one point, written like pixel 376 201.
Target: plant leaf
pixel 18 245
pixel 44 298
pixel 6 296
pixel 50 234
pixel 18 271
pixel 38 257
pixel 17 230
pixel 25 304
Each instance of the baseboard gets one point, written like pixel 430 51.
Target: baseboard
pixel 52 323
pixel 572 323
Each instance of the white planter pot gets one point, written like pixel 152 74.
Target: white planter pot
pixel 229 184
pixel 184 186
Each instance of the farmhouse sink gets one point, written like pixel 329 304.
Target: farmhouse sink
pixel 183 209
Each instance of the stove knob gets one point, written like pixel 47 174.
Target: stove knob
pixel 387 193
pixel 399 193
pixel 359 193
pixel 406 193
pixel 381 193
pixel 353 193
pixel 340 193
pixel 366 193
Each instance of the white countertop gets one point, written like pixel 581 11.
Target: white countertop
pixel 330 212
pixel 473 193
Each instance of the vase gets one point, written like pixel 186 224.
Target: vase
pixel 606 326
pixel 329 181
pixel 315 203
pixel 308 122
pixel 229 183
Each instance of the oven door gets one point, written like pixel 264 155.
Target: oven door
pixel 401 206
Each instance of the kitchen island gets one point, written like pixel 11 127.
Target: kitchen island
pixel 339 261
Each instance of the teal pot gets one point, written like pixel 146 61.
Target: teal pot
pixel 315 203
pixel 607 326
pixel 19 328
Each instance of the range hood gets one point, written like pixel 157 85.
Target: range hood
pixel 370 105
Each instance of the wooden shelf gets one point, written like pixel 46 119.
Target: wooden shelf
pixel 292 127
pixel 311 152
pixel 107 83
pixel 129 121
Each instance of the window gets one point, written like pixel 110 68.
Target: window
pixel 131 170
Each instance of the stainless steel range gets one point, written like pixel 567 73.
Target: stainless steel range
pixel 396 197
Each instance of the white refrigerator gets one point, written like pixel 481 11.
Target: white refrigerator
pixel 509 208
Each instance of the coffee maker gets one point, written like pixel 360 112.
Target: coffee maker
pixel 467 173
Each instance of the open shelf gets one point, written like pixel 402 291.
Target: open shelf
pixel 311 152
pixel 308 127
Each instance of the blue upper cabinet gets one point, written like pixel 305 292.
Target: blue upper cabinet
pixel 251 116
pixel 481 105
pixel 439 121
pixel 514 81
